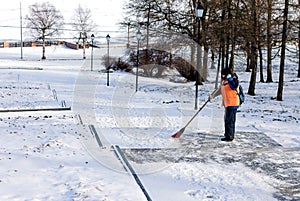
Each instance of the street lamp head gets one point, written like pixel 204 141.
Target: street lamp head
pixel 92 36
pixel 107 38
pixel 138 35
pixel 199 10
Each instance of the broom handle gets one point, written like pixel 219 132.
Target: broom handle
pixel 213 93
pixel 196 114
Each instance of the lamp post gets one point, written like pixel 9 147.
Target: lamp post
pixel 92 54
pixel 199 14
pixel 138 37
pixel 107 68
pixel 128 32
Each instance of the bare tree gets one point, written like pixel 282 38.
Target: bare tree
pixel 296 7
pixel 44 21
pixel 269 42
pixel 254 49
pixel 83 24
pixel 230 28
pixel 299 49
pixel 298 44
pixel 283 46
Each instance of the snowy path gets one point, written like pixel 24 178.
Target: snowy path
pixel 68 155
pixel 154 155
pixel 255 153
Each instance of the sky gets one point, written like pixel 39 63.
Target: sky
pixel 105 13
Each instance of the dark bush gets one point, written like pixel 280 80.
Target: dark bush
pixel 153 63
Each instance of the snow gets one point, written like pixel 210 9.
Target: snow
pixel 55 155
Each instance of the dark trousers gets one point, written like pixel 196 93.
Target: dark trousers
pixel 230 117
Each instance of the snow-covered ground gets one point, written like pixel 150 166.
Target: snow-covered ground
pixel 54 154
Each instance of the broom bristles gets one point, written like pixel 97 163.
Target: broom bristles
pixel 178 134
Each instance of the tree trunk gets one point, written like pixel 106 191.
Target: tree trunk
pixel 232 28
pixel 212 65
pixel 83 48
pixel 253 65
pixel 222 42
pixel 199 74
pixel 248 51
pixel 261 73
pixel 44 50
pixel 205 47
pixel 299 48
pixel 148 25
pixel 205 64
pixel 218 70
pixel 282 59
pixel 229 39
pixel 44 46
pixel 199 65
pixel 269 42
pixel 253 61
pixel 83 36
pixel 222 53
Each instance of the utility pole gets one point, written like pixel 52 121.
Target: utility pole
pixel 21 30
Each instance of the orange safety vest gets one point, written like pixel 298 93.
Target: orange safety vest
pixel 229 96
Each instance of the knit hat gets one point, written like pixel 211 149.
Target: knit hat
pixel 225 71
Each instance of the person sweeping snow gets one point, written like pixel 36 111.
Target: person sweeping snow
pixel 229 90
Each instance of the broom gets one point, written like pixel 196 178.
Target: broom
pixel 180 132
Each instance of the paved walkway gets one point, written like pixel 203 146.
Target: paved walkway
pixel 255 150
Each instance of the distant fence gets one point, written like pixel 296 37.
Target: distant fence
pixel 76 46
pixel 7 44
pixel 17 44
